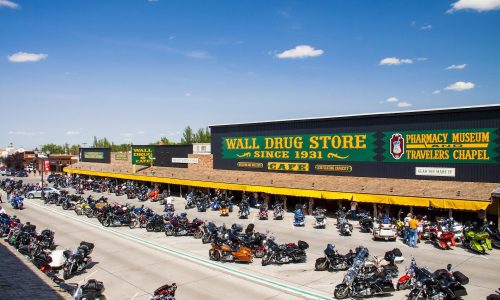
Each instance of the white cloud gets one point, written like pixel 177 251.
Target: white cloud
pixel 404 104
pixel 437 92
pixel 72 132
pixel 198 54
pixel 187 94
pixel 394 61
pixel 392 99
pixel 477 5
pixel 9 4
pixel 25 133
pixel 426 27
pixel 456 67
pixel 460 86
pixel 140 132
pixel 421 58
pixel 300 51
pixel 20 57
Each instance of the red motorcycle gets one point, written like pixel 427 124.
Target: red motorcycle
pixel 443 238
pixel 180 227
pixel 263 213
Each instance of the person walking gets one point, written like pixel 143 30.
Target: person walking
pixel 413 225
pixel 354 208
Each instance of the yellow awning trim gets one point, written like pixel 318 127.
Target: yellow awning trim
pixel 368 198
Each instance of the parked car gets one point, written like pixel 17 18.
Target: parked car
pixel 29 169
pixel 21 173
pixel 3 172
pixel 46 191
pixel 10 172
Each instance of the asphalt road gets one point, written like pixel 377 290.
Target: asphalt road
pixel 132 263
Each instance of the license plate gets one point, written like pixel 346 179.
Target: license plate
pixel 386 238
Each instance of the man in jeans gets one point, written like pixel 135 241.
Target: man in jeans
pixel 407 229
pixel 413 225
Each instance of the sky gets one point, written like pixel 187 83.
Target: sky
pixel 137 70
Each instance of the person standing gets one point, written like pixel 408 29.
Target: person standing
pixel 413 225
pixel 354 208
pixel 406 238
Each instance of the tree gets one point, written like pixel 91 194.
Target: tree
pixel 202 136
pixel 187 136
pixel 73 150
pixel 163 141
pixel 53 148
pixel 15 161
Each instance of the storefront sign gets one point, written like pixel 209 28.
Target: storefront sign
pixel 251 165
pixel 142 155
pixel 312 147
pixel 93 155
pixel 425 171
pixel 294 167
pixel 333 168
pixel 185 160
pixel 121 156
pixel 46 166
pixel 442 146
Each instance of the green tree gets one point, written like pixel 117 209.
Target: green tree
pixel 53 148
pixel 188 137
pixel 202 135
pixel 163 141
pixel 73 150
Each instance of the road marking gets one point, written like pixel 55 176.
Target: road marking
pixel 135 295
pixel 241 274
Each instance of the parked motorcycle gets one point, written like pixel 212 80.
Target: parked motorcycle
pixel 77 261
pixel 244 210
pixel 356 286
pixel 476 239
pixel 344 226
pixel 442 284
pixel 91 290
pixel 320 218
pixel 177 227
pixel 222 251
pixel 385 230
pixel 278 211
pixel 17 203
pixel 165 292
pixel 365 222
pixel 286 253
pixel 263 215
pixel 333 261
pixel 298 218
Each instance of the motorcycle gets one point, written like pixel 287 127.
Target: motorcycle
pixel 333 261
pixel 443 238
pixel 77 261
pixel 344 226
pixel 221 251
pixel 385 231
pixel 494 234
pixel 155 223
pixel 165 292
pixel 263 213
pixel 121 219
pixel 278 211
pixel 320 218
pixel 356 286
pixel 365 223
pixel 442 284
pixel 224 209
pixel 91 290
pixel 17 203
pixel 244 210
pixel 298 218
pixel 476 239
pixel 178 228
pixel 286 253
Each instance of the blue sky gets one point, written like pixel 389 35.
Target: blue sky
pixel 136 70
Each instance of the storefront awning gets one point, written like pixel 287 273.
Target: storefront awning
pixel 298 192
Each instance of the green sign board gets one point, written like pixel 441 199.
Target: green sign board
pixel 93 155
pixel 142 155
pixel 304 147
pixel 441 146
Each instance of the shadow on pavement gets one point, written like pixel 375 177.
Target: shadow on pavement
pixel 20 281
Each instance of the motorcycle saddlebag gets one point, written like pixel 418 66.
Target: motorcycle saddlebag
pixel 92 286
pixel 303 245
pixel 237 227
pixel 460 277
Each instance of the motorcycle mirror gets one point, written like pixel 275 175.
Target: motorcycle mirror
pixel 448 267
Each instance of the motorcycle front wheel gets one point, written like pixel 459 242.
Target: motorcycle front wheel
pixel 214 255
pixel 132 225
pixel 266 260
pixel 198 234
pixel 169 232
pixel 66 274
pixel 259 253
pixel 321 264
pixel 341 291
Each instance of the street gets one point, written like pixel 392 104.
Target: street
pixel 133 263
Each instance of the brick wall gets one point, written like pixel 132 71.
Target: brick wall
pixel 205 162
pixel 120 162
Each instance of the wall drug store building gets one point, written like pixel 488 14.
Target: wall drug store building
pixel 443 158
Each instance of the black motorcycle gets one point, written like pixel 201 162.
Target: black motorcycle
pixel 334 261
pixel 77 261
pixel 155 223
pixel 91 290
pixel 118 220
pixel 286 253
pixel 356 285
pixel 365 222
pixel 442 284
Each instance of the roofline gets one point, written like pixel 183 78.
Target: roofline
pixel 438 110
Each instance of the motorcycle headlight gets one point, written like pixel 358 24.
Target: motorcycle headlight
pixel 419 284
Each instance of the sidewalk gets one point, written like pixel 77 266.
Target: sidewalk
pixel 20 280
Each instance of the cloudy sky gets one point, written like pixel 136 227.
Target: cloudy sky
pixel 133 71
